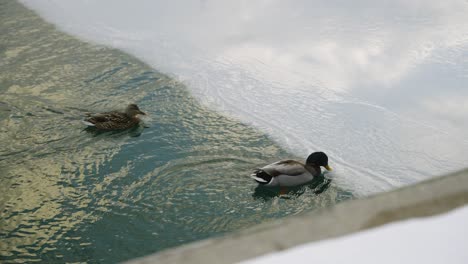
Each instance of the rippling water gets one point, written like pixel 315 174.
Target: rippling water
pixel 69 195
pixel 379 85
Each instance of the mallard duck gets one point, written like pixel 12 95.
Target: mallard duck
pixel 289 173
pixel 115 120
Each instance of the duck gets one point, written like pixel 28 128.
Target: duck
pixel 290 173
pixel 115 120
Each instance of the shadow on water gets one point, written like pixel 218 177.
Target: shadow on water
pixel 75 195
pixel 131 132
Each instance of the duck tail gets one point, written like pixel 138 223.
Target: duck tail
pixel 261 176
pixel 86 122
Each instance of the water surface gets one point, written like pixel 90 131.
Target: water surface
pixel 379 85
pixel 70 195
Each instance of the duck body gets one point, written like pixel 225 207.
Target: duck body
pixel 115 120
pixel 289 173
pixel 285 173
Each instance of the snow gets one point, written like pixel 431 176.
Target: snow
pixel 437 239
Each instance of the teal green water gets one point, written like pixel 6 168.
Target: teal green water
pixel 68 195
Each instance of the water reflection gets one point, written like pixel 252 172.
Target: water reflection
pixel 132 132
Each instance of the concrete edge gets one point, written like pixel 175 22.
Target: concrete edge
pixel 434 196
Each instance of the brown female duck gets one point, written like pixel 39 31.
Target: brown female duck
pixel 115 120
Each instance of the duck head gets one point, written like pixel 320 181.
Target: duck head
pixel 318 159
pixel 133 110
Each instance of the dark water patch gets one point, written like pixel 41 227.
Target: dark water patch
pixel 70 194
pixel 107 74
pixel 50 110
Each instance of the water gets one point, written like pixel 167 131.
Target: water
pixel 69 195
pixel 380 86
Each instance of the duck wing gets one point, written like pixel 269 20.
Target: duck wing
pixel 97 119
pixel 285 167
pixel 112 121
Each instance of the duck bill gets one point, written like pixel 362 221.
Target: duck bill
pixel 141 113
pixel 328 168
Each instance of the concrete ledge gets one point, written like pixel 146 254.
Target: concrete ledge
pixel 427 198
